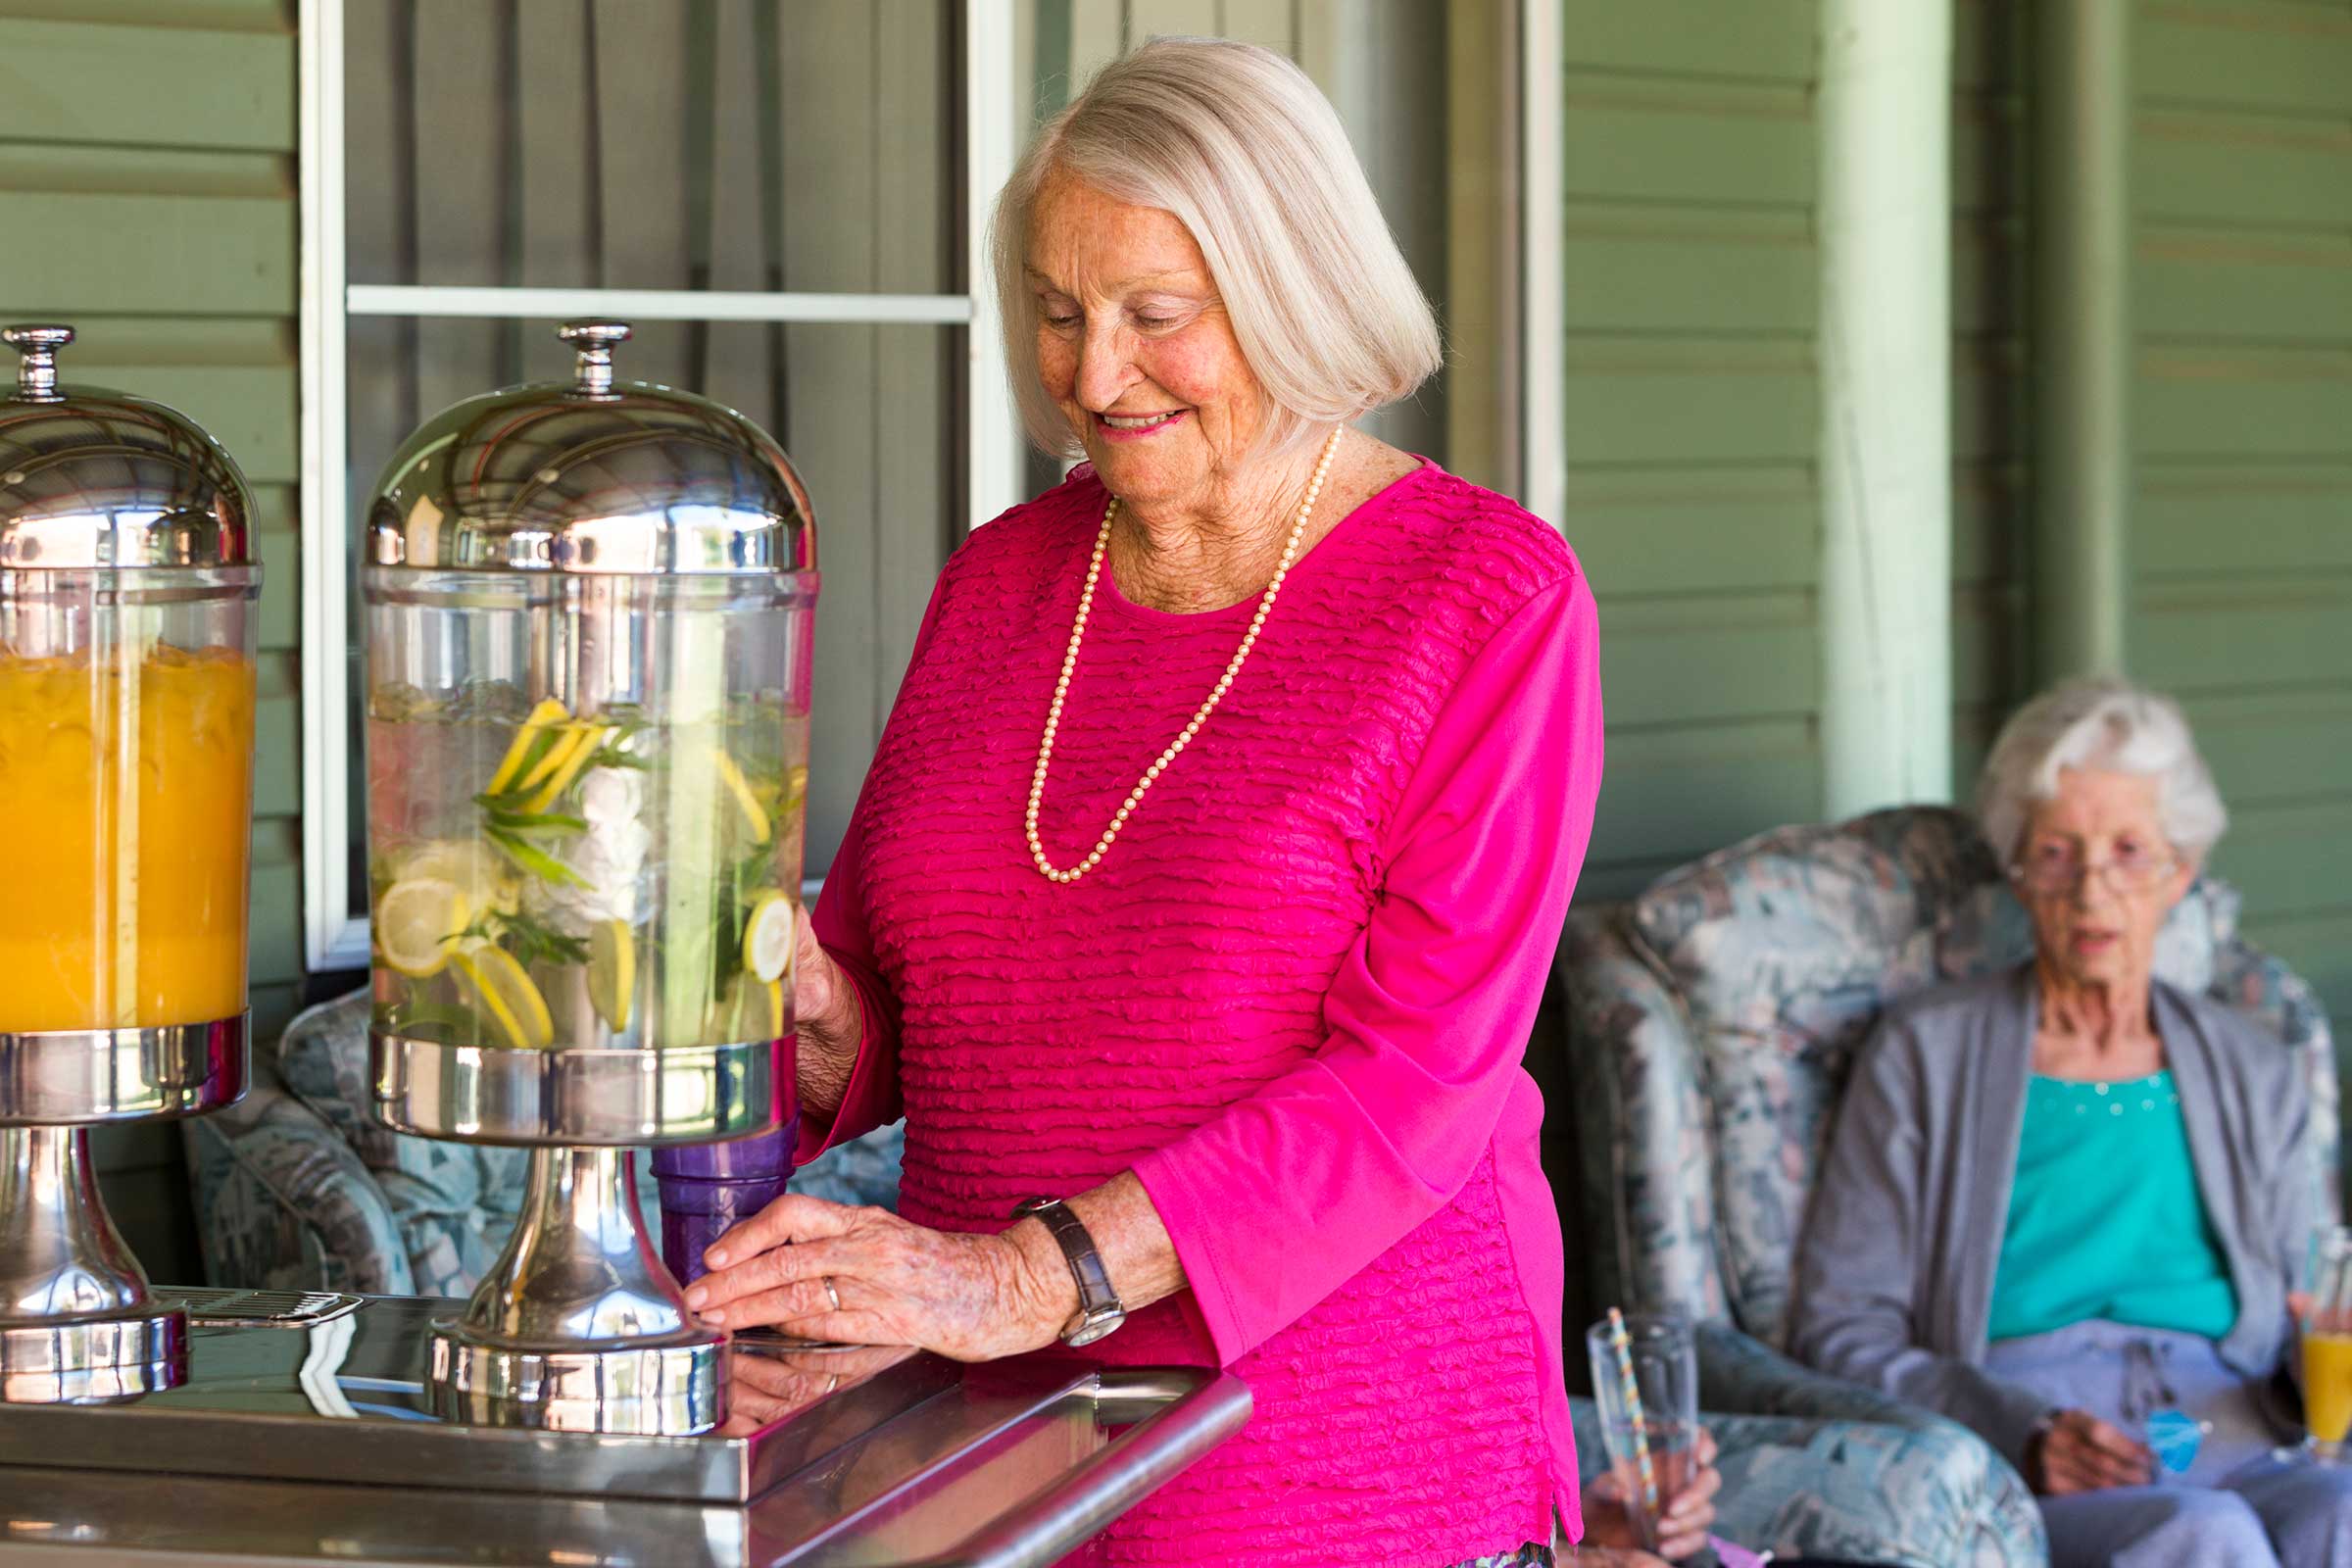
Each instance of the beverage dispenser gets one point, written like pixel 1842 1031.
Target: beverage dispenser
pixel 589 619
pixel 126 714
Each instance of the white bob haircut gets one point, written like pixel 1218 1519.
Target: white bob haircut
pixel 2109 725
pixel 1239 145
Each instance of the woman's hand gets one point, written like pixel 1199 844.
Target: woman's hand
pixel 765 1386
pixel 968 1298
pixel 2080 1452
pixel 826 1021
pixel 1684 1518
pixel 824 1004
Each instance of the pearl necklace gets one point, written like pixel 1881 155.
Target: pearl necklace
pixel 1184 737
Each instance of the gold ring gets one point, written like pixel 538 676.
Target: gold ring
pixel 831 1294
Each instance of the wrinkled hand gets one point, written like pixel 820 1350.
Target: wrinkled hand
pixel 1608 1506
pixel 824 1004
pixel 968 1298
pixel 2080 1452
pixel 766 1386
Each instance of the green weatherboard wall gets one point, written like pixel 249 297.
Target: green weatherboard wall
pixel 2242 520
pixel 147 169
pixel 1691 309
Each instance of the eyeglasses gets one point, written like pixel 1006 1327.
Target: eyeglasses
pixel 2053 869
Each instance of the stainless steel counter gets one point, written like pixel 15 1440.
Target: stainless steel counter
pixel 318 1442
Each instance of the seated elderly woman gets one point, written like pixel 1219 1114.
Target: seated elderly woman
pixel 2064 1199
pixel 1203 887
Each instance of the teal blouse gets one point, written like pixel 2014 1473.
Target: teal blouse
pixel 2105 1218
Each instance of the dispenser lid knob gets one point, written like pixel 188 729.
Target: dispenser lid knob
pixel 36 372
pixel 595 341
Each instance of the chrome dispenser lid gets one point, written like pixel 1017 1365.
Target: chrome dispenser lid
pixel 97 479
pixel 595 475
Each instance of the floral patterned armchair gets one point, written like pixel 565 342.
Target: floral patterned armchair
pixel 1709 1026
pixel 297 1187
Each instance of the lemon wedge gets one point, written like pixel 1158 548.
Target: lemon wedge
pixel 754 815
pixel 474 866
pixel 753 1010
pixel 568 758
pixel 767 936
pixel 495 986
pixel 611 972
pixel 418 921
pixel 549 712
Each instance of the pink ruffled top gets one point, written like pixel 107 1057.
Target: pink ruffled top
pixel 1293 998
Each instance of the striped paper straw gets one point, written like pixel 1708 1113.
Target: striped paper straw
pixel 1623 1344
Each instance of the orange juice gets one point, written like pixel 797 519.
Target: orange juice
pixel 2328 1386
pixel 126 795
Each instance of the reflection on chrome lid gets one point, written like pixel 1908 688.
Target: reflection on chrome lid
pixel 594 476
pixel 95 478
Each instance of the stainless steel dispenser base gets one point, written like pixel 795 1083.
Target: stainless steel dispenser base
pixel 93 1360
pixel 78 1325
pixel 578 1327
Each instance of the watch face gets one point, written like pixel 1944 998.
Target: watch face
pixel 1094 1328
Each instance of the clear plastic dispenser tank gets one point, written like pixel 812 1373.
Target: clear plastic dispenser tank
pixel 590 613
pixel 126 708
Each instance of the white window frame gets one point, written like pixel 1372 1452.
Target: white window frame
pixel 333 938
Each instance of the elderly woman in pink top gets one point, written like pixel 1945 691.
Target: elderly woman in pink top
pixel 1206 874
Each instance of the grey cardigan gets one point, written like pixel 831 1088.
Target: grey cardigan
pixel 1894 1272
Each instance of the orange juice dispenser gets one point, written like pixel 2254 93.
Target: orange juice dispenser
pixel 126 712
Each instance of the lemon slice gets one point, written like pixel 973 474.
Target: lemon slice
pixel 472 865
pixel 611 972
pixel 418 921
pixel 754 815
pixel 548 711
pixel 767 936
pixel 755 1010
pixel 495 986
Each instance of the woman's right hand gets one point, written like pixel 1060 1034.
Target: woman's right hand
pixel 2080 1452
pixel 826 1022
pixel 824 1004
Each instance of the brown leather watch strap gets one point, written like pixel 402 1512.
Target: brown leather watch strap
pixel 1098 1307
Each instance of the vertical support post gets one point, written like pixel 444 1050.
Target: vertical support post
pixel 1481 255
pixel 2082 354
pixel 1885 130
pixel 990 144
pixel 1542 262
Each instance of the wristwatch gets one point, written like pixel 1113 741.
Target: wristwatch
pixel 1098 1307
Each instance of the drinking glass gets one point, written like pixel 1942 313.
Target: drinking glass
pixel 2328 1346
pixel 1665 1364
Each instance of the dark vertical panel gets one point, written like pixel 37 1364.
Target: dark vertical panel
pixel 917 404
pixel 557 208
pixel 510 178
pixel 830 76
pixel 642 75
pixel 701 114
pixel 456 126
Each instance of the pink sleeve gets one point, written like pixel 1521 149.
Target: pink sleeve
pixel 871 1100
pixel 1285 1195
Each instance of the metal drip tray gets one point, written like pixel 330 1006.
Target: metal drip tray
pixel 311 1439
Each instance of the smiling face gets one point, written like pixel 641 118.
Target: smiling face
pixel 1134 345
pixel 2100 928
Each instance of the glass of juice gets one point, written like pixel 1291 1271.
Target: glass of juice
pixel 2328 1346
pixel 1649 1420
